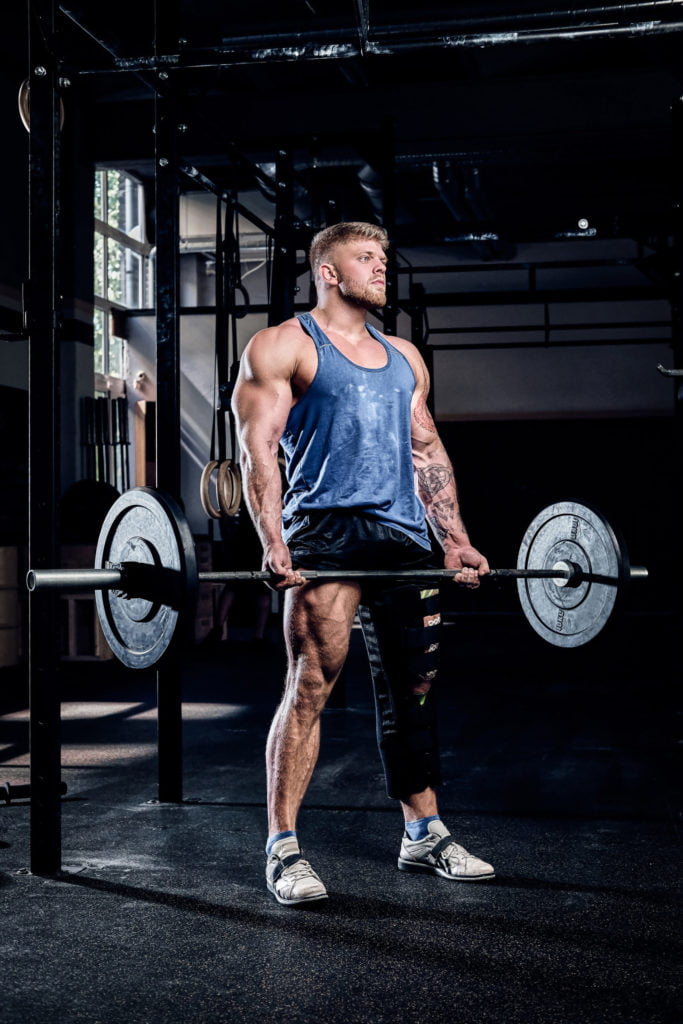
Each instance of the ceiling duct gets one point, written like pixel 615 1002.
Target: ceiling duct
pixel 373 187
pixel 460 190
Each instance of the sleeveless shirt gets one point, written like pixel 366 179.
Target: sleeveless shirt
pixel 347 440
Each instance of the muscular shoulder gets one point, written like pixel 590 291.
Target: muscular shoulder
pixel 275 351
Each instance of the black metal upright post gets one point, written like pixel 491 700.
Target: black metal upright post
pixel 283 281
pixel 677 329
pixel 388 163
pixel 169 695
pixel 42 322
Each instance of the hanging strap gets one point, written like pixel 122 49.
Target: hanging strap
pixel 220 358
pixel 226 364
pixel 232 285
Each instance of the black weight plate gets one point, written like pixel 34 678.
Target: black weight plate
pixel 146 526
pixel 570 532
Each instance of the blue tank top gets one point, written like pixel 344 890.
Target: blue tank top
pixel 347 440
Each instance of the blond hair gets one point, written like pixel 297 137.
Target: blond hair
pixel 325 241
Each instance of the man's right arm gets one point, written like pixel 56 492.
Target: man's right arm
pixel 261 403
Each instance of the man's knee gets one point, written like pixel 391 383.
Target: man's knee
pixel 310 681
pixel 305 693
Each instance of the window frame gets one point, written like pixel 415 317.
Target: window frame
pixel 142 250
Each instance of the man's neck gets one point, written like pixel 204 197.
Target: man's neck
pixel 342 318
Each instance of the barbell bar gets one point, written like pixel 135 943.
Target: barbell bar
pixel 570 567
pixel 123 578
pixel 563 573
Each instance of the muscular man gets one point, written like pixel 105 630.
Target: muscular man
pixel 366 473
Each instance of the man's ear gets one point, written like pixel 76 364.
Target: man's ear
pixel 328 273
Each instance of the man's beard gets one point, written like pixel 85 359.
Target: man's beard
pixel 363 296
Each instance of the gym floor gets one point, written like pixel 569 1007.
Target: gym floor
pixel 560 769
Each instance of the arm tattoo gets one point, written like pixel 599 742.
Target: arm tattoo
pixel 440 531
pixel 434 478
pixel 441 518
pixel 423 416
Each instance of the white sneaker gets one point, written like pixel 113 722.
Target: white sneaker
pixel 439 854
pixel 289 877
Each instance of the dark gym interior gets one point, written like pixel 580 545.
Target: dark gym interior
pixel 166 165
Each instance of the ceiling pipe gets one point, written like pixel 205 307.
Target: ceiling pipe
pixel 665 16
pixel 503 26
pixel 398 40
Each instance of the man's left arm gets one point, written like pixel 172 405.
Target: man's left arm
pixel 438 491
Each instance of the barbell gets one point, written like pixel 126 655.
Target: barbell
pixel 570 567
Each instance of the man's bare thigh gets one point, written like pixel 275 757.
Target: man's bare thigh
pixel 317 623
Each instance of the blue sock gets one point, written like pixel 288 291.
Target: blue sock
pixel 274 838
pixel 418 829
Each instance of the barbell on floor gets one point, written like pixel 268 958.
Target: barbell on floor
pixel 570 567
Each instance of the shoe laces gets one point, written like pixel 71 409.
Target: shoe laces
pixel 454 851
pixel 300 869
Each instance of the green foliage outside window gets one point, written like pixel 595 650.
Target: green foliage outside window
pixel 121 263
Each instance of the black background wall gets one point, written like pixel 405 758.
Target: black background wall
pixel 627 468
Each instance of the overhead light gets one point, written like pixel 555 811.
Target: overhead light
pixel 583 223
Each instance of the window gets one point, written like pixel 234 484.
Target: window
pixel 123 274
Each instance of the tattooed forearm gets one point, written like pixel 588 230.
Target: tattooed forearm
pixel 444 509
pixel 442 518
pixel 440 531
pixel 443 514
pixel 434 478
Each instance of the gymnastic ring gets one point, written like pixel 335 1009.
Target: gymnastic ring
pixel 24 103
pixel 209 509
pixel 229 488
pixel 236 491
pixel 224 486
pixel 237 504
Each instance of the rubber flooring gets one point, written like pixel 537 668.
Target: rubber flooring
pixel 560 768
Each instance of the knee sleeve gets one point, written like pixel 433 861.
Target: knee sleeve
pixel 401 627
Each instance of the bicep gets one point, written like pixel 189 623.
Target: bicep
pixel 262 397
pixel 261 414
pixel 422 427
